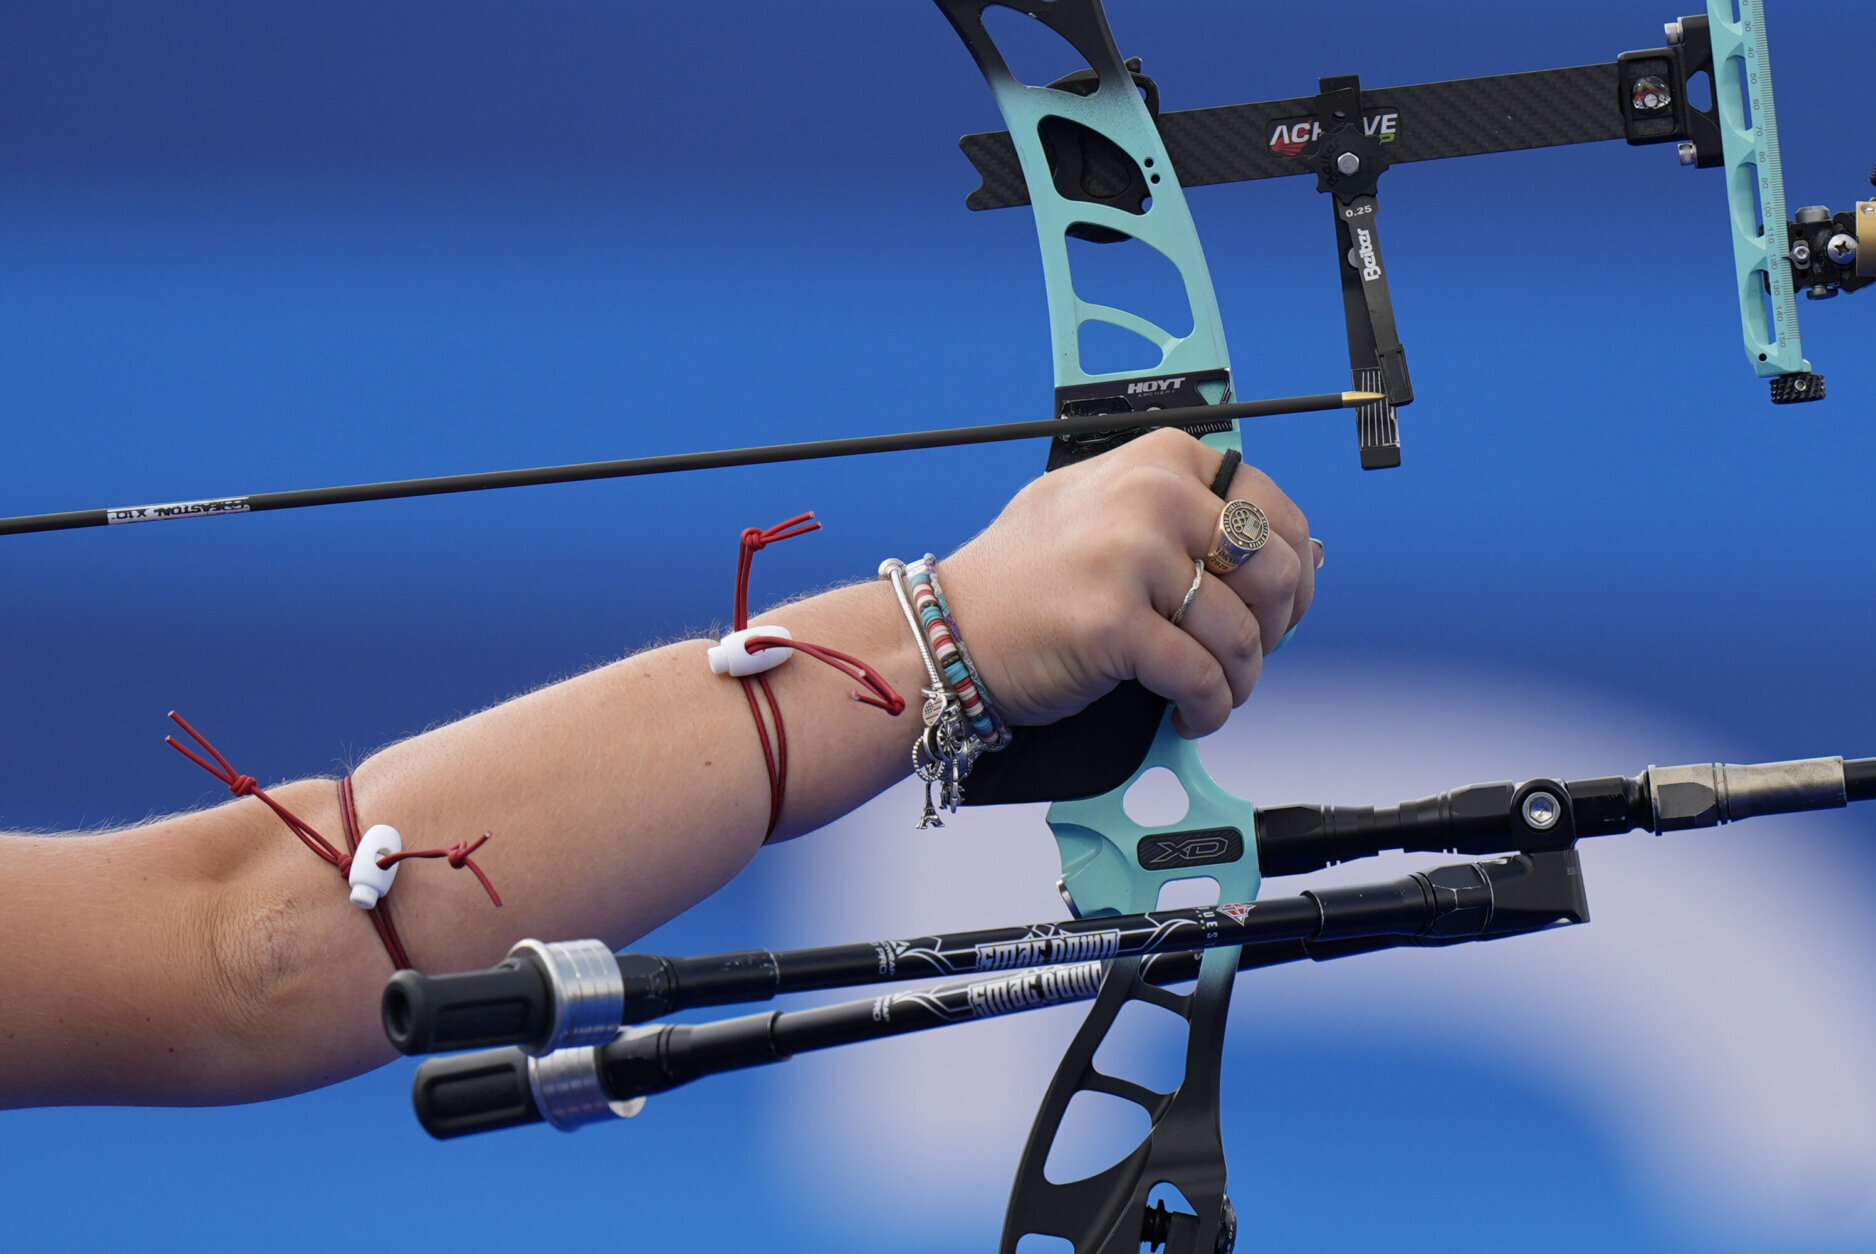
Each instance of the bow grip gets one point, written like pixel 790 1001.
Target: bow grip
pixel 1114 865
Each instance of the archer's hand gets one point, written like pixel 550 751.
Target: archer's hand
pixel 1073 588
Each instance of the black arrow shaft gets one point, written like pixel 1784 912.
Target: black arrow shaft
pixel 580 472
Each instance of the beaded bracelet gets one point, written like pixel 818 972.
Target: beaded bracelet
pixel 953 656
pixel 945 751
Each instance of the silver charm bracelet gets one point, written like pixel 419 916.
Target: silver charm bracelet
pixel 945 751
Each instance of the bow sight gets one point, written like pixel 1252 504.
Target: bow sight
pixel 1349 136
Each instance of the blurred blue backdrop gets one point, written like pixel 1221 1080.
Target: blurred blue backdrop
pixel 247 247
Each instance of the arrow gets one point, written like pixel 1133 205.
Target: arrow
pixel 580 472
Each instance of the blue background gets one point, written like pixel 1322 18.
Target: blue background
pixel 246 247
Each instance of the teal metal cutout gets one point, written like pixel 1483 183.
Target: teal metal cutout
pixel 1755 187
pixel 1100 842
pixel 1114 110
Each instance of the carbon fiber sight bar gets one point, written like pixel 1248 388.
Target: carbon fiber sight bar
pixel 1427 122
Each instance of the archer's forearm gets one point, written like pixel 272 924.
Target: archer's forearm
pixel 623 796
pixel 212 958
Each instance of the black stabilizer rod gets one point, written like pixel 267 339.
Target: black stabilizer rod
pixel 500 1088
pixel 1553 814
pixel 480 1092
pixel 517 1002
pixel 511 1003
pixel 1446 906
pixel 507 1004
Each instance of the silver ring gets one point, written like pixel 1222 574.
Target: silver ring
pixel 1198 576
pixel 1242 530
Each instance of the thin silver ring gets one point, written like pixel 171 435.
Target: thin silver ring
pixel 1198 577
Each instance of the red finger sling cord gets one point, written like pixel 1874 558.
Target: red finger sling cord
pixel 879 694
pixel 245 786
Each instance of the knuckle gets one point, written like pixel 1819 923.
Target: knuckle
pixel 1285 569
pixel 1295 530
pixel 1247 679
pixel 1197 677
pixel 1265 487
pixel 1134 490
pixel 1205 722
pixel 1159 482
pixel 1284 514
pixel 1248 644
pixel 1168 458
pixel 1287 520
pixel 1165 442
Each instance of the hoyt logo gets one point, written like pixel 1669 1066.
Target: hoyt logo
pixel 1290 138
pixel 1148 387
